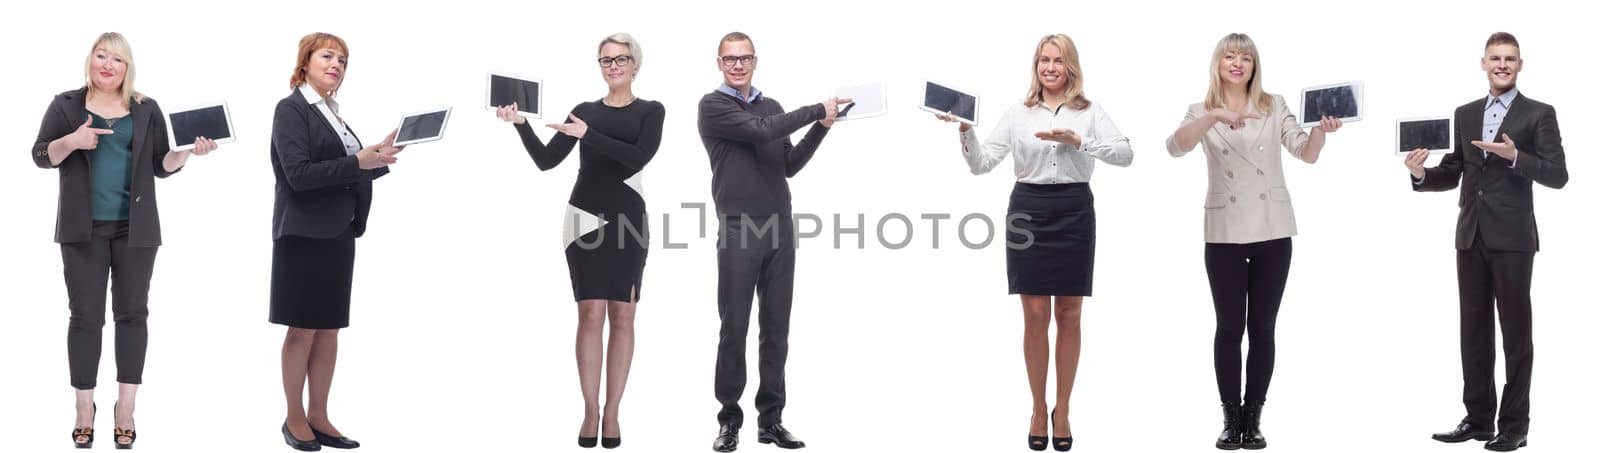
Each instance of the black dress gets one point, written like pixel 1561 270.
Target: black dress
pixel 606 227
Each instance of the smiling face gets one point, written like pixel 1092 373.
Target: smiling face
pixel 107 70
pixel 623 67
pixel 1502 62
pixel 737 61
pixel 1236 67
pixel 1051 68
pixel 325 69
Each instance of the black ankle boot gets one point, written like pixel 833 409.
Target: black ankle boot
pixel 1230 439
pixel 1250 420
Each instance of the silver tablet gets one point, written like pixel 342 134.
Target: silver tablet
pixel 505 89
pixel 1433 133
pixel 1339 100
pixel 422 127
pixel 211 121
pixel 866 101
pixel 938 98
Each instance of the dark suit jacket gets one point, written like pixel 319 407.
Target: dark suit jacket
pixel 1497 199
pixel 74 218
pixel 320 191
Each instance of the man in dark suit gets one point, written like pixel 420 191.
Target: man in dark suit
pixel 1504 143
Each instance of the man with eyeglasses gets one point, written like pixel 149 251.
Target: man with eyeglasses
pixel 747 137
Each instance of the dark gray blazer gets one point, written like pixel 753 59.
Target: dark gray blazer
pixel 74 218
pixel 1496 199
pixel 320 191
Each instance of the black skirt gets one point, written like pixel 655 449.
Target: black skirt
pixel 1058 258
pixel 311 281
pixel 608 263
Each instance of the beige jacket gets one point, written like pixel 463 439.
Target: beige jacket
pixel 1246 198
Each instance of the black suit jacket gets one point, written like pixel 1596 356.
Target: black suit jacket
pixel 74 217
pixel 1497 199
pixel 320 191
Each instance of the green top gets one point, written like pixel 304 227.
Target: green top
pixel 111 168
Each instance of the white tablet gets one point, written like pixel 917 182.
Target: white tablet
pixel 939 98
pixel 866 101
pixel 205 120
pixel 1433 133
pixel 422 127
pixel 1339 100
pixel 505 89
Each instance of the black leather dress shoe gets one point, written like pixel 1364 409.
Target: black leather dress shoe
pixel 1465 432
pixel 776 435
pixel 1250 437
pixel 727 439
pixel 340 442
pixel 297 444
pixel 1507 442
pixel 1230 438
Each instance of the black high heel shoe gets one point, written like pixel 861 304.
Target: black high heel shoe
pixel 297 444
pixel 86 432
pixel 1059 443
pixel 588 442
pixel 609 442
pixel 118 433
pixel 1038 443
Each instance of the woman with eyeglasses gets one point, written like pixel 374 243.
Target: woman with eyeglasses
pixel 108 143
pixel 605 229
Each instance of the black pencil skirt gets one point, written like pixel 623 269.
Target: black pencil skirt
pixel 1050 240
pixel 311 281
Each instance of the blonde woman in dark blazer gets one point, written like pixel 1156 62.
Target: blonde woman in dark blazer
pixel 109 143
pixel 1248 221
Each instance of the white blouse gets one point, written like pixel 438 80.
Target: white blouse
pixel 1041 161
pixel 330 112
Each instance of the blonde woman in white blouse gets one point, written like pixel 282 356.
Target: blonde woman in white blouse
pixel 1248 221
pixel 1054 136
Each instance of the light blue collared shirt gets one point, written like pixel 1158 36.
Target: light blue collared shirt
pixel 1494 113
pixel 754 93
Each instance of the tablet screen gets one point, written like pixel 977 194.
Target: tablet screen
pixel 209 122
pixel 944 99
pixel 506 90
pixel 421 127
pixel 1336 101
pixel 1432 134
pixel 866 101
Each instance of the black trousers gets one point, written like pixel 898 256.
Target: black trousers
pixel 1490 280
pixel 87 265
pixel 754 255
pixel 1247 283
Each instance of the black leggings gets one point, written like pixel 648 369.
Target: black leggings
pixel 1246 288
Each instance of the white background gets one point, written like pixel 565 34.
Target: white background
pixel 463 320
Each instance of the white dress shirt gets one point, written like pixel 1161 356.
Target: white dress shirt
pixel 330 112
pixel 1041 161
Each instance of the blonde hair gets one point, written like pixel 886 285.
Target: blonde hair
pixel 1238 43
pixel 626 40
pixel 117 45
pixel 1069 53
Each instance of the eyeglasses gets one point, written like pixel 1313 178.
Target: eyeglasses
pixel 621 61
pixel 730 60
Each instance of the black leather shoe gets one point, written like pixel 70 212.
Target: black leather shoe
pixel 340 442
pixel 1465 432
pixel 776 435
pixel 611 442
pixel 1059 443
pixel 1229 439
pixel 1507 442
pixel 727 439
pixel 297 444
pixel 588 442
pixel 1250 437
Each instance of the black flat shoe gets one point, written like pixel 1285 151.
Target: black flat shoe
pixel 779 436
pixel 1059 443
pixel 1465 432
pixel 727 439
pixel 340 442
pixel 86 432
pixel 297 444
pixel 1231 436
pixel 118 433
pixel 588 442
pixel 1507 442
pixel 610 442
